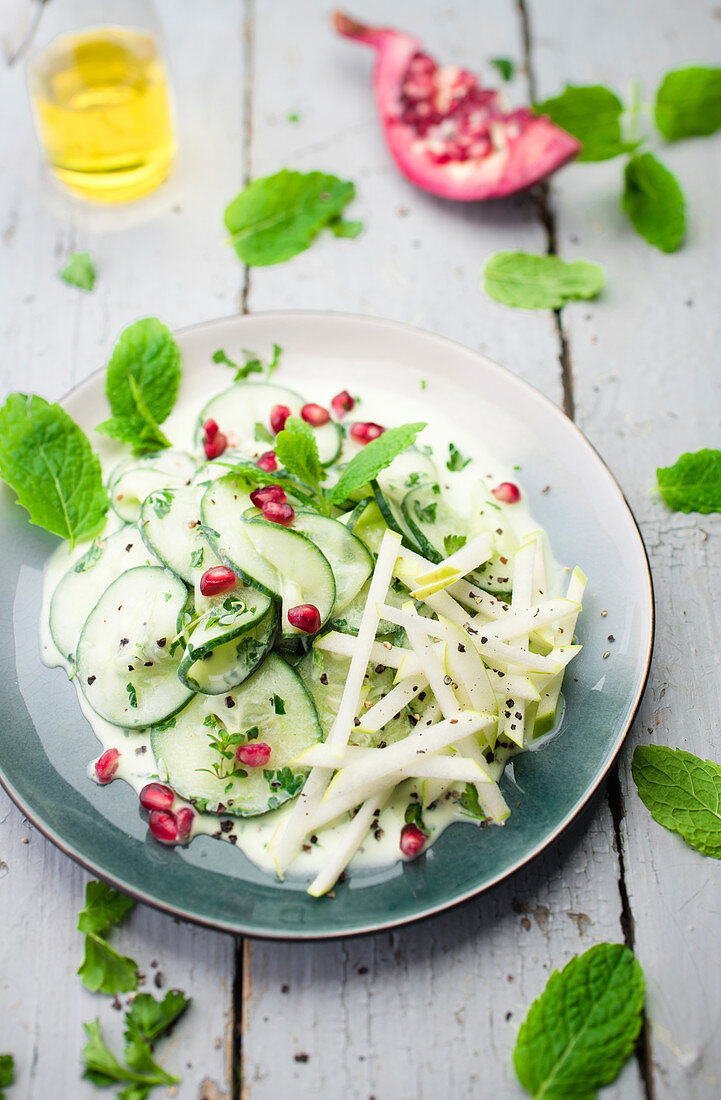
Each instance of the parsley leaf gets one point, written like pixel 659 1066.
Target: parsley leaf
pixel 147 1018
pixel 505 66
pixel 142 383
pixel 103 968
pixel 79 271
pixel 688 103
pixel 296 448
pixel 103 907
pixel 451 543
pixel 693 483
pixel 580 1032
pixel 682 792
pixel 219 356
pixel 141 1074
pixel 47 459
pixel 456 460
pixel 592 114
pixel 375 456
pixel 7 1072
pixel 654 202
pixel 526 281
pixel 278 216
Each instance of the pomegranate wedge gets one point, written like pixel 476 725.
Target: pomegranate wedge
pixel 446 133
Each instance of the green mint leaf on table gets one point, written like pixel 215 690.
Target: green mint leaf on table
pixel 105 970
pixel 141 1074
pixel 682 792
pixel 47 459
pixel 526 281
pixel 505 67
pixel 688 103
pixel 580 1032
pixel 693 483
pixel 456 461
pixel 7 1072
pixel 592 114
pixel 79 271
pixel 276 217
pixel 142 383
pixel 219 356
pixel 375 456
pixel 654 202
pixel 104 906
pixel 296 448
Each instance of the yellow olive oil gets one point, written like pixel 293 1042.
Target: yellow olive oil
pixel 103 111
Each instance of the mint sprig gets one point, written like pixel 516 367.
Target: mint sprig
pixel 693 483
pixel 526 281
pixel 103 969
pixel 682 792
pixel 580 1032
pixel 375 456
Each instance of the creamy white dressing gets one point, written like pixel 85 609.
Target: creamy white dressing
pixel 137 765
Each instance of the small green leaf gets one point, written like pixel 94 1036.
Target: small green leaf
pixel 505 67
pixel 297 449
pixel 375 456
pixel 592 114
pixel 654 202
pixel 688 103
pixel 526 281
pixel 263 434
pixel 682 792
pixel 104 970
pixel 104 906
pixel 278 216
pixel 141 1074
pixel 456 461
pixel 7 1072
pixel 149 1018
pixel 47 459
pixel 79 271
pixel 278 704
pixel 580 1032
pixel 451 543
pixel 219 356
pixel 693 483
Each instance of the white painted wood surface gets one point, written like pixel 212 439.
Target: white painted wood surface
pixel 433 1008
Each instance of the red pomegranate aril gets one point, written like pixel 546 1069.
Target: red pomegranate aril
pixel 218 579
pixel 261 496
pixel 365 432
pixel 215 445
pixel 210 428
pixel 278 416
pixel 278 512
pixel 413 840
pixel 507 492
pixel 107 765
pixel 254 755
pixel 184 819
pixel 305 617
pixel 164 826
pixel 268 462
pixel 156 796
pixel 341 404
pixel 315 415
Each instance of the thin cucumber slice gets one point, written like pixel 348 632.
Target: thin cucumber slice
pixel 349 558
pixel 395 518
pixel 367 524
pixel 126 664
pixel 272 706
pixel 239 409
pixel 229 642
pixel 134 478
pixel 431 520
pixel 171 525
pixel 83 584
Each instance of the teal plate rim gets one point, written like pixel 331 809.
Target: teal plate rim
pixel 101 829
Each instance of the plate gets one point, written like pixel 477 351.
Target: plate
pixel 45 743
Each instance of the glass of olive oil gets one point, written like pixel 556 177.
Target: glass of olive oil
pixel 102 104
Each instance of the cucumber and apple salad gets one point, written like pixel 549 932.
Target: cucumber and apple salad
pixel 306 620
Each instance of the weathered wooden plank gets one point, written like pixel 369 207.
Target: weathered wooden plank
pixel 646 384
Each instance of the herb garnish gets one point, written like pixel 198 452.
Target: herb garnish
pixel 456 460
pixel 7 1072
pixel 451 543
pixel 103 969
pixel 693 483
pixel 132 695
pixel 505 67
pixel 654 202
pixel 375 456
pixel 79 271
pixel 278 704
pixel 592 114
pixel 688 103
pixel 527 281
pixel 414 816
pixel 682 792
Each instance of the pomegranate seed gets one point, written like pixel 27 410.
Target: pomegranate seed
pixel 254 755
pixel 218 579
pixel 107 765
pixel 305 617
pixel 507 492
pixel 365 432
pixel 277 512
pixel 210 428
pixel 341 404
pixel 268 492
pixel 412 840
pixel 164 826
pixel 184 818
pixel 268 462
pixel 315 415
pixel 278 416
pixel 215 446
pixel 156 796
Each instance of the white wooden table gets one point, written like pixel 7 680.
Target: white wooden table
pixel 433 1008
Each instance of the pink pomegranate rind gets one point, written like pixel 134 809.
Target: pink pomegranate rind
pixel 447 134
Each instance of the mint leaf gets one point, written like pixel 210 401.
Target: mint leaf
pixel 375 456
pixel 7 1072
pixel 526 281
pixel 654 202
pixel 278 216
pixel 693 483
pixel 505 67
pixel 580 1032
pixel 142 383
pixel 592 114
pixel 103 907
pixel 456 461
pixel 688 103
pixel 79 271
pixel 104 970
pixel 261 432
pixel 296 448
pixel 47 459
pixel 682 792
pixel 148 1019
